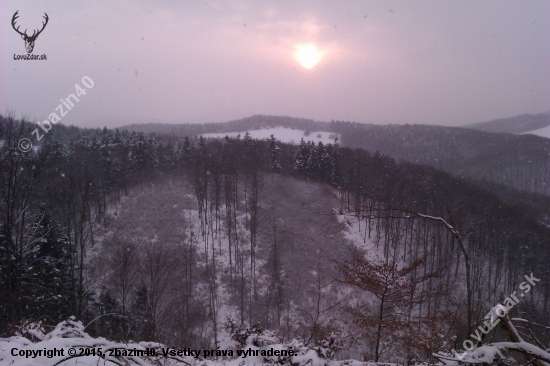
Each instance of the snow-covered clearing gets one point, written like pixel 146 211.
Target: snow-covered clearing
pixel 283 134
pixel 544 132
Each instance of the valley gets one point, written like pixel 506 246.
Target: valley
pixel 190 242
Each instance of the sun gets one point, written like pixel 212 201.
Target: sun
pixel 308 55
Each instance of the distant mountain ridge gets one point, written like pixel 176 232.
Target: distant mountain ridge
pixel 516 125
pixel 469 151
pixel 255 122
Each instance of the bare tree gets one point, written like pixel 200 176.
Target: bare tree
pixel 157 266
pixel 391 285
pixel 123 260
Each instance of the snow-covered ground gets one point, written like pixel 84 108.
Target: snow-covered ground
pixel 68 343
pixel 282 134
pixel 64 345
pixel 544 132
pixel 358 233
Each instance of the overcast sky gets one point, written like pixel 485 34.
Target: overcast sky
pixel 433 62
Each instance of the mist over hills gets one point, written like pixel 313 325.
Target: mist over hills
pixel 514 125
pixel 518 124
pixel 492 156
pixel 385 201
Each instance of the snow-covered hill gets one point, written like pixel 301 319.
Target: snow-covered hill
pixel 286 135
pixel 544 132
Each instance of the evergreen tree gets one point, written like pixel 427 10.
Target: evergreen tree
pixel 247 139
pixel 109 322
pixel 117 138
pixel 184 153
pixel 140 156
pixel 166 156
pixel 153 151
pixel 335 158
pixel 313 159
pixel 274 154
pixel 302 156
pixel 47 282
pixel 324 162
pixel 143 317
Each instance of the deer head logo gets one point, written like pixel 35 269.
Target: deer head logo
pixel 29 40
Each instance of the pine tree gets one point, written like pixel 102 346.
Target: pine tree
pixel 166 156
pixel 109 323
pixel 274 154
pixel 302 156
pixel 324 162
pixel 335 159
pixel 117 138
pixel 48 278
pixel 247 139
pixel 143 317
pixel 143 152
pixel 186 153
pixel 313 159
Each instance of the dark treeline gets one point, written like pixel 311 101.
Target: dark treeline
pixel 518 161
pixel 54 198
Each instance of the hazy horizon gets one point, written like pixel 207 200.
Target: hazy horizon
pixel 395 62
pixel 100 123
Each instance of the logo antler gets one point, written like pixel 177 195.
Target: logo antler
pixel 29 40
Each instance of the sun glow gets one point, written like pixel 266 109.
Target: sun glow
pixel 308 55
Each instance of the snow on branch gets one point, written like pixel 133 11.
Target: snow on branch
pixel 70 334
pixel 20 351
pixel 492 353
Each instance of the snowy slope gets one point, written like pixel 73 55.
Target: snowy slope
pixel 357 233
pixel 283 134
pixel 544 132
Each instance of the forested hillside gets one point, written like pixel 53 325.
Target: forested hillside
pixel 185 240
pixel 518 161
pixel 518 124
